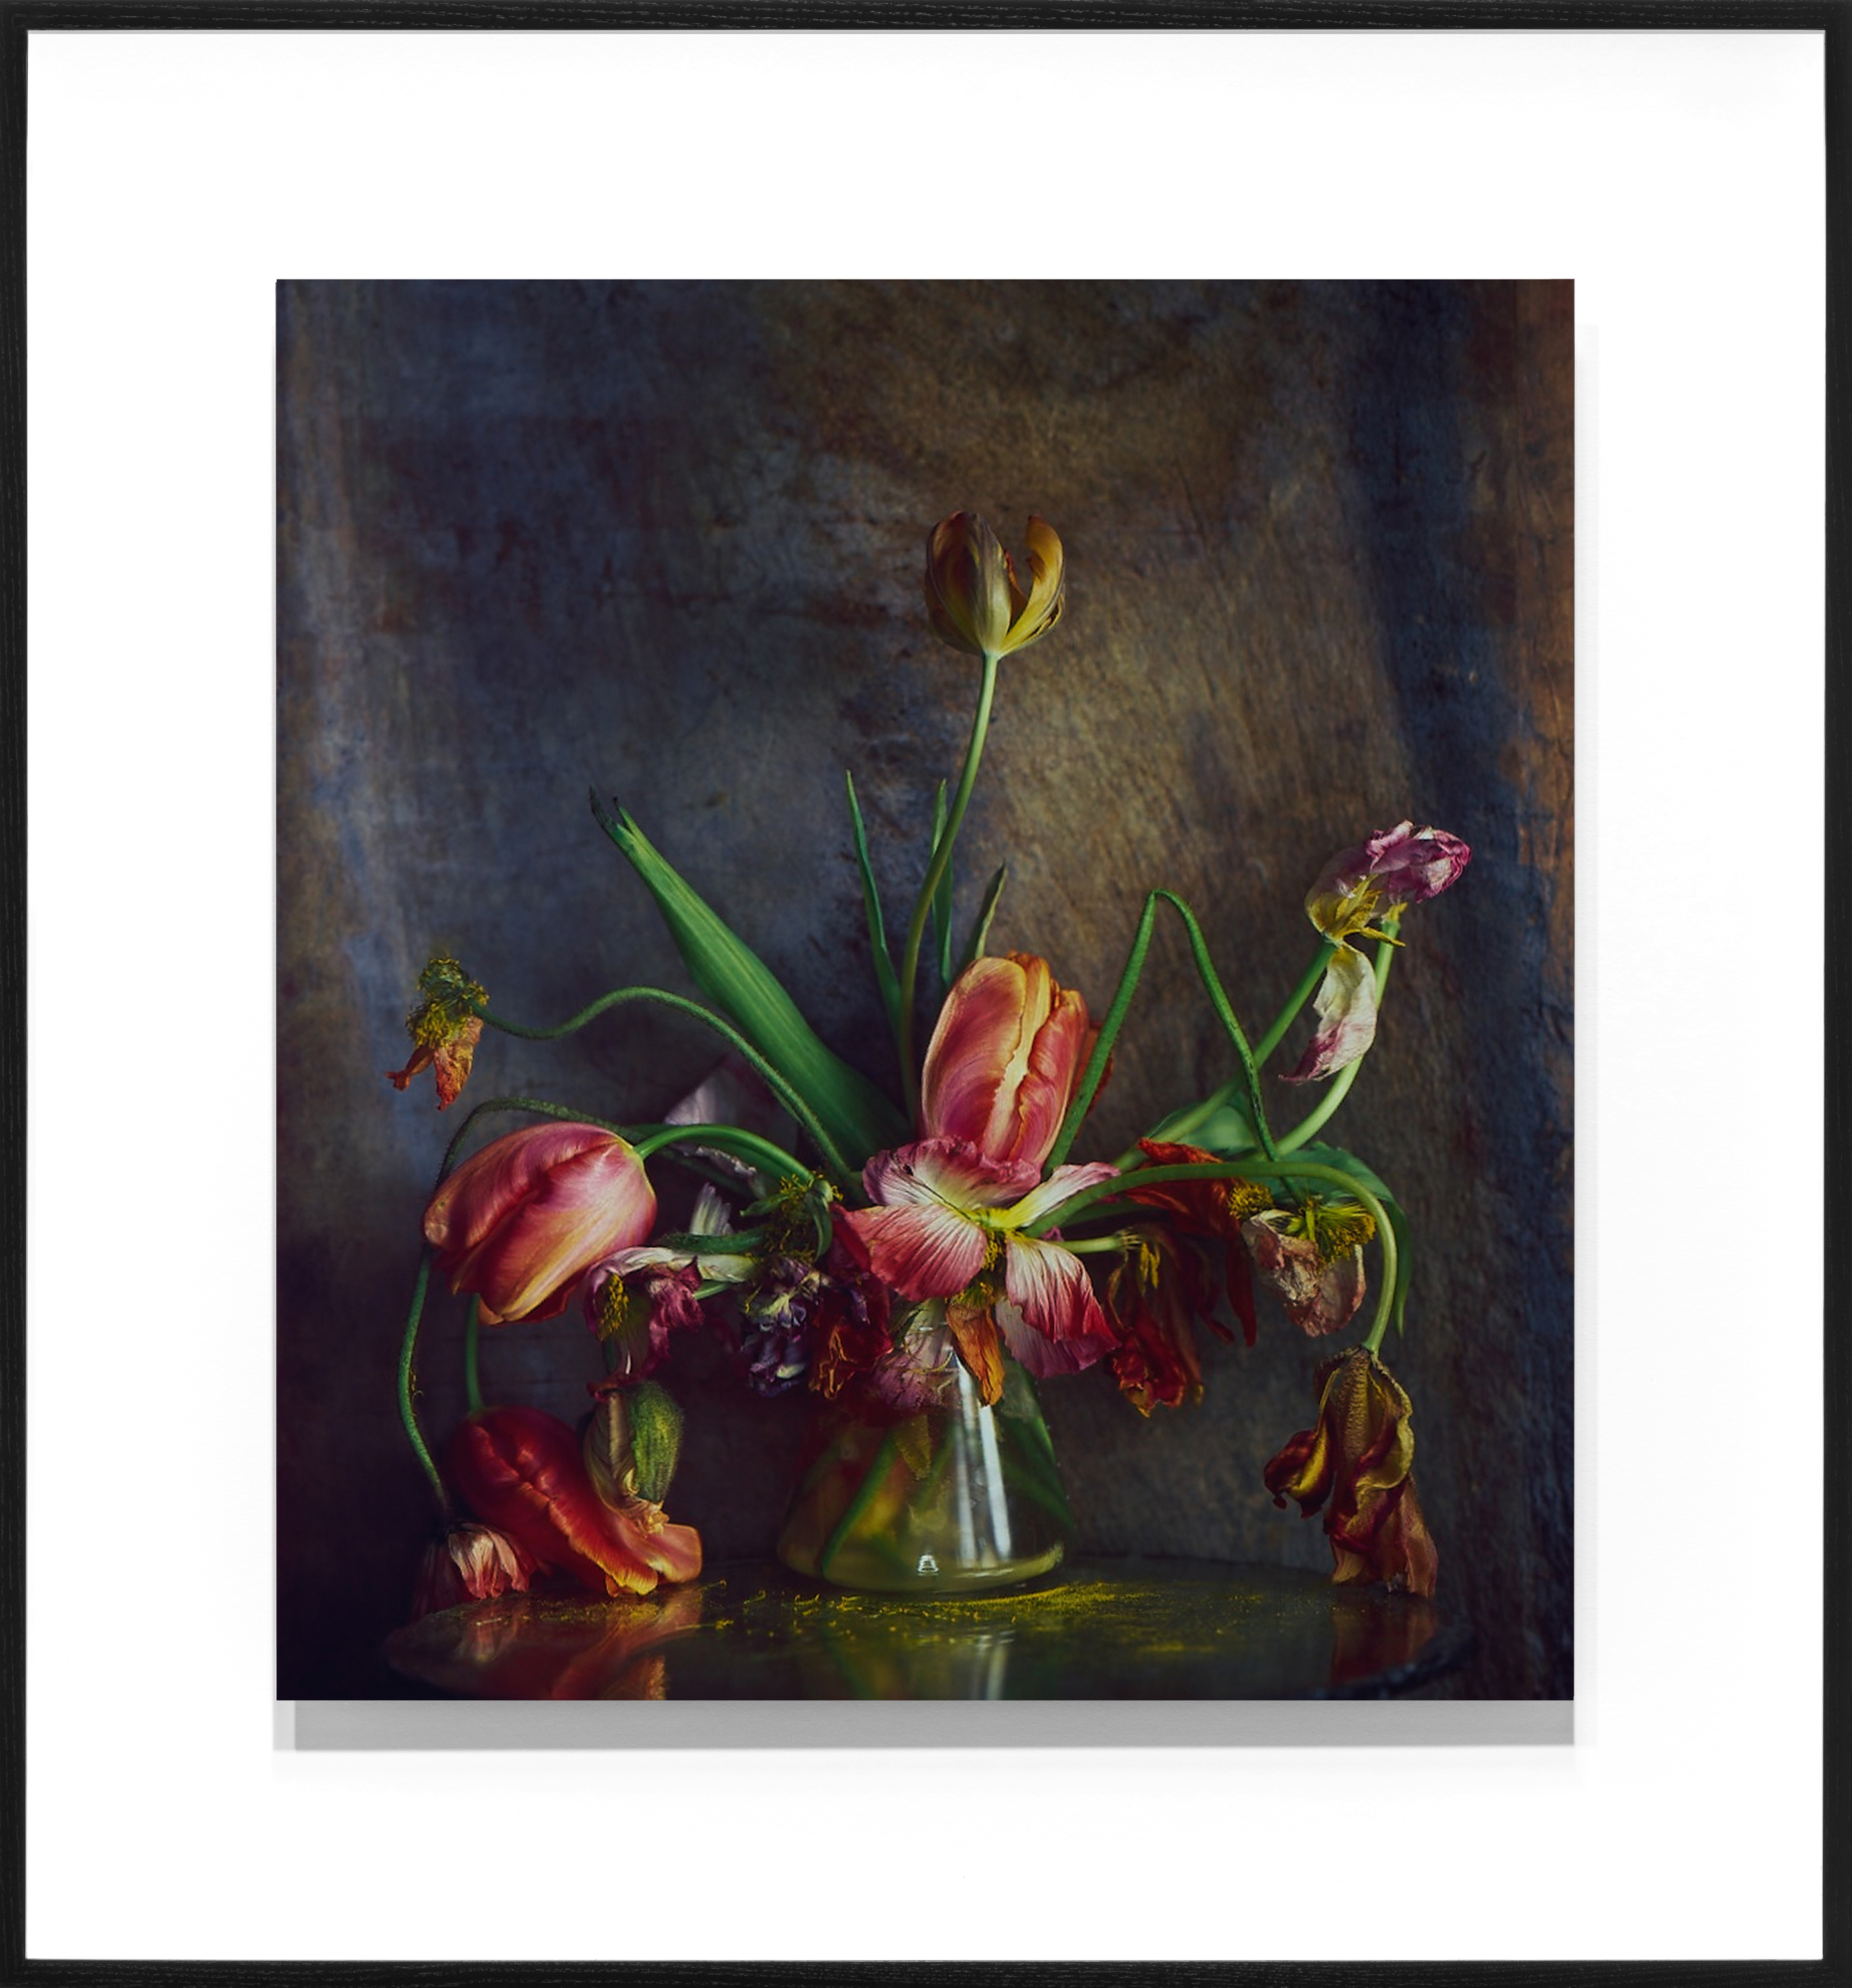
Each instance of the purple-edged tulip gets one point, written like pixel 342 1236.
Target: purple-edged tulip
pixel 948 1223
pixel 1005 1059
pixel 1319 1276
pixel 520 1222
pixel 1396 867
pixel 974 599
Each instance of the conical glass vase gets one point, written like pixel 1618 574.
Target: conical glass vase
pixel 954 1498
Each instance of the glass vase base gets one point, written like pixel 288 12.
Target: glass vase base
pixel 951 1500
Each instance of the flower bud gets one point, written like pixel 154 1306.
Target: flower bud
pixel 632 1443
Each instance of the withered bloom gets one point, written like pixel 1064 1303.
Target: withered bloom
pixel 1212 1208
pixel 1156 1297
pixel 1396 866
pixel 1313 1257
pixel 1355 1464
pixel 445 1029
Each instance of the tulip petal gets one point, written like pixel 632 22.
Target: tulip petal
pixel 1038 1354
pixel 1042 609
pixel 921 1252
pixel 968 585
pixel 1346 1007
pixel 1054 1292
pixel 974 1332
pixel 1063 1185
pixel 945 1173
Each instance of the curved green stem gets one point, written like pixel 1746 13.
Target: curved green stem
pixel 407 1413
pixel 472 1332
pixel 1122 1000
pixel 941 856
pixel 735 1139
pixel 1294 1001
pixel 787 1095
pixel 1253 1170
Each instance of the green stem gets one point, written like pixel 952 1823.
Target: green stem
pixel 1338 1089
pixel 1122 1000
pixel 863 1498
pixel 1253 1170
pixel 1294 1001
pixel 941 856
pixel 472 1378
pixel 408 1414
pixel 759 1153
pixel 787 1095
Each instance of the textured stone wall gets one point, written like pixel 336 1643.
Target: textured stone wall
pixel 665 540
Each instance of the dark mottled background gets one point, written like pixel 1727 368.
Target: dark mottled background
pixel 665 539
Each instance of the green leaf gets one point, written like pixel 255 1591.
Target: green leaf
pixel 941 897
pixel 1225 1132
pixel 886 978
pixel 1336 1156
pixel 980 930
pixel 851 1110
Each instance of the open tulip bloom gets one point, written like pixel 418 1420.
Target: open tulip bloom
pixel 923 1241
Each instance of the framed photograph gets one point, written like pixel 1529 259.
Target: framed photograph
pixel 805 908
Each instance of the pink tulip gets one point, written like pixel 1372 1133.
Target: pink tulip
pixel 1005 1059
pixel 520 1222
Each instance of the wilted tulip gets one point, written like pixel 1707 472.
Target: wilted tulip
pixel 1355 1463
pixel 525 1472
pixel 974 599
pixel 1156 1296
pixel 1314 1258
pixel 1399 866
pixel 1005 1058
pixel 445 1029
pixel 468 1562
pixel 520 1222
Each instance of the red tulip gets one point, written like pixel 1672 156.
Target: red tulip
pixel 1005 1059
pixel 521 1221
pixel 524 1471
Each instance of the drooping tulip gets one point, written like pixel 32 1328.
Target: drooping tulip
pixel 524 1472
pixel 1394 867
pixel 1005 1059
pixel 973 598
pixel 1355 1463
pixel 468 1562
pixel 520 1222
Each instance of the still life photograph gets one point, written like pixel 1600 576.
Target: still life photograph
pixel 925 970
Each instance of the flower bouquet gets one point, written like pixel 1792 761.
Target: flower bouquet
pixel 919 1260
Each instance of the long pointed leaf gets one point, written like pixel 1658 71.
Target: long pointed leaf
pixel 886 978
pixel 734 977
pixel 980 930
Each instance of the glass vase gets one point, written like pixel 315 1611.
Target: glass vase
pixel 951 1498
